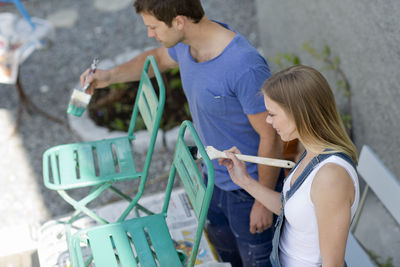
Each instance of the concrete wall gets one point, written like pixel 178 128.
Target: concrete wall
pixel 366 37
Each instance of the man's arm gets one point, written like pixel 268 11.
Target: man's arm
pixel 128 71
pixel 270 146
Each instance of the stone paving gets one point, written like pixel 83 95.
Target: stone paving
pixel 84 29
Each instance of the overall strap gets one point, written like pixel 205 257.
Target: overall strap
pixel 297 163
pixel 309 168
pixel 346 158
pixel 290 172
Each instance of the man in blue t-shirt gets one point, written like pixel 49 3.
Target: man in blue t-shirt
pixel 222 74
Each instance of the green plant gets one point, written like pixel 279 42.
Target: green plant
pixel 377 260
pixel 119 86
pixel 285 60
pixel 175 82
pixel 177 108
pixel 330 63
pixel 112 106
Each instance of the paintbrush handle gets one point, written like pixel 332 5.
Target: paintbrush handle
pixel 93 67
pixel 214 153
pixel 266 161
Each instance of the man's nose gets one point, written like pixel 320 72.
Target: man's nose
pixel 150 33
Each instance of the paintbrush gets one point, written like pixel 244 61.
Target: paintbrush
pixel 213 153
pixel 79 99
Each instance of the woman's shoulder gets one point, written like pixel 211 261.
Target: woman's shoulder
pixel 332 181
pixel 332 172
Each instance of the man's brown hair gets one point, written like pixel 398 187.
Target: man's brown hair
pixel 167 10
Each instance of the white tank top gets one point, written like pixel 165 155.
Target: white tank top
pixel 299 246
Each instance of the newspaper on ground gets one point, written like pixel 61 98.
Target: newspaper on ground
pixel 17 42
pixel 181 220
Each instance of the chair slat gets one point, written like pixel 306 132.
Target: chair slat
pixel 194 191
pixel 105 158
pixel 67 164
pixel 123 247
pixel 145 113
pixel 380 180
pixel 183 174
pixel 54 169
pixel 124 154
pixel 195 178
pixel 141 245
pixel 162 242
pixel 151 97
pixel 86 161
pixel 102 250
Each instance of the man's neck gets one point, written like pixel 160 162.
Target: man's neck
pixel 207 39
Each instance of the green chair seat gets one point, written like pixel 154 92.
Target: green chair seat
pixel 145 241
pixel 87 164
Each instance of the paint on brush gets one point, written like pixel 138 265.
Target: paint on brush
pixel 79 99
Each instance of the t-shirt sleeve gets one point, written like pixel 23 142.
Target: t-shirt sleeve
pixel 172 53
pixel 248 89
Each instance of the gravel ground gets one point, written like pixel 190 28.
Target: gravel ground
pixel 49 75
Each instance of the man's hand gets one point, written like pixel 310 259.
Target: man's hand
pixel 99 79
pixel 260 218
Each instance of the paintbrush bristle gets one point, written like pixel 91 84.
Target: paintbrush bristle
pixel 79 98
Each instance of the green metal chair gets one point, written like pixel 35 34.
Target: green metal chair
pixel 100 164
pixel 146 241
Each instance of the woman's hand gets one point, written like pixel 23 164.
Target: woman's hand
pixel 236 168
pixel 266 196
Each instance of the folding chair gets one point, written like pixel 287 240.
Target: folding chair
pixel 100 164
pixel 22 10
pixel 146 241
pixel 379 180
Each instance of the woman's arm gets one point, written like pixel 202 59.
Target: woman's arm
pixel 332 193
pixel 239 175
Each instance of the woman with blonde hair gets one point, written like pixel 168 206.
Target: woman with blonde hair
pixel 321 193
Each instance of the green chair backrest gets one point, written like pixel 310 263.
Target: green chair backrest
pixel 150 109
pixel 147 105
pixel 198 193
pixel 146 100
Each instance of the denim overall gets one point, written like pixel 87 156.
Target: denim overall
pixel 274 257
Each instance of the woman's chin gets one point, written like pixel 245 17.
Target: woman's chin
pixel 283 138
pixel 286 139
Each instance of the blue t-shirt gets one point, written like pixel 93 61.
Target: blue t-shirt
pixel 220 93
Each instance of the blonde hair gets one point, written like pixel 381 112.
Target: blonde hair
pixel 307 98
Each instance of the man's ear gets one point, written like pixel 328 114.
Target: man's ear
pixel 179 22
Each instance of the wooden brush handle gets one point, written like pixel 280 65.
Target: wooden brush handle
pixel 267 161
pixel 213 153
